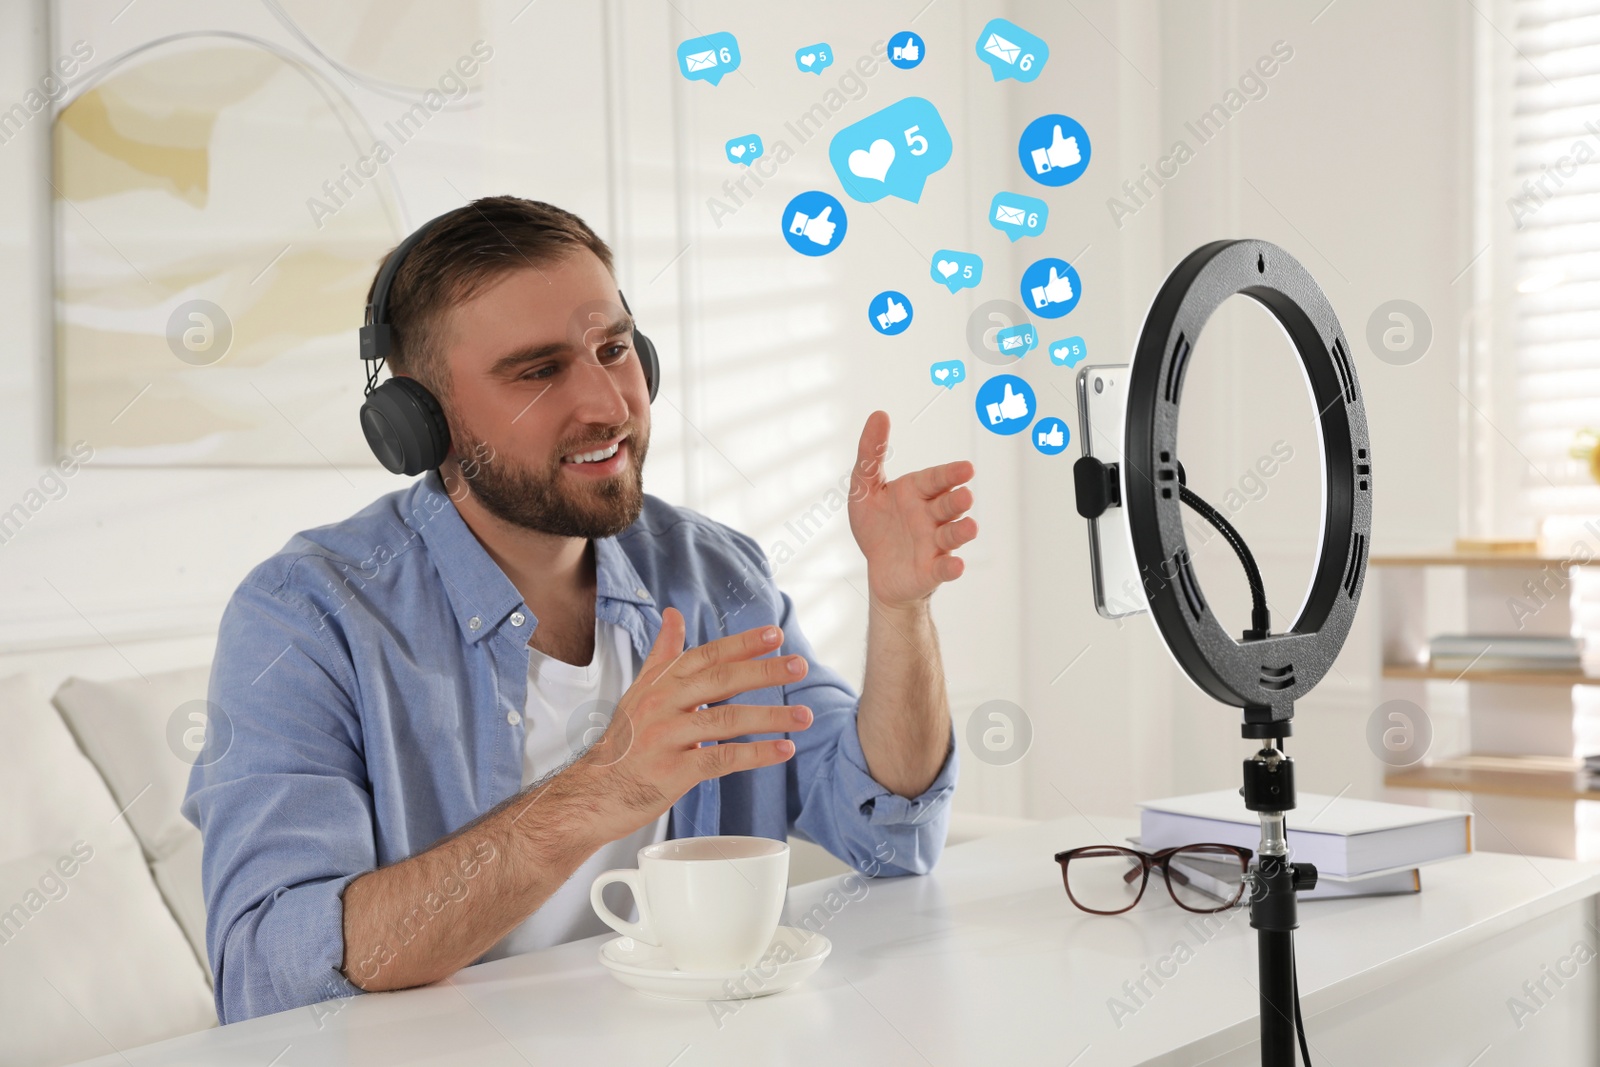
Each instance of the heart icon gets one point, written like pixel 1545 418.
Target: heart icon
pixel 947 267
pixel 942 373
pixel 874 162
pixel 808 59
pixel 737 150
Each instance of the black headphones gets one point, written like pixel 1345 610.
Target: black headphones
pixel 402 420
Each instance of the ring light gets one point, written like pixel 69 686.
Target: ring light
pixel 1263 675
pixel 1261 672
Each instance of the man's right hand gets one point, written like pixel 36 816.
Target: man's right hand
pixel 651 753
pixel 649 756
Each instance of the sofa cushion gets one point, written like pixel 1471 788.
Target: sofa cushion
pixel 90 956
pixel 143 735
pixel 178 877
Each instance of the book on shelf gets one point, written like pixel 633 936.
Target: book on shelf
pixel 1505 652
pixel 1344 837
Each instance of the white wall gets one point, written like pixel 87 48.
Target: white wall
pixel 1355 161
pixel 774 367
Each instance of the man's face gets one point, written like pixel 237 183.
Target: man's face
pixel 544 385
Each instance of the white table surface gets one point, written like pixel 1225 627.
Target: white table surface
pixel 985 961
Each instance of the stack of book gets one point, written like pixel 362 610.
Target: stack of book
pixel 1591 772
pixel 1360 847
pixel 1505 652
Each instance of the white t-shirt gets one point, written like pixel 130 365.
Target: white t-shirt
pixel 558 694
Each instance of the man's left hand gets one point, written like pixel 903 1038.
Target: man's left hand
pixel 907 527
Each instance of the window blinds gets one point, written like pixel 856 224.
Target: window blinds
pixel 1555 205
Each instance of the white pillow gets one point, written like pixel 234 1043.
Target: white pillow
pixel 90 957
pixel 178 878
pixel 140 735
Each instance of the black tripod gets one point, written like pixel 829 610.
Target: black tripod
pixel 1262 672
pixel 1274 880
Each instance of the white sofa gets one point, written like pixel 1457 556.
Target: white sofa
pixel 102 919
pixel 92 958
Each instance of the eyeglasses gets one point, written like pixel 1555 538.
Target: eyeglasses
pixel 1109 879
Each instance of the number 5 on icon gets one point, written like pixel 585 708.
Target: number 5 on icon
pixel 918 143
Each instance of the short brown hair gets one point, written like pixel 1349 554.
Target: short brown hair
pixel 462 253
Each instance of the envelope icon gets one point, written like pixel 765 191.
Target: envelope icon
pixel 701 60
pixel 1011 342
pixel 1013 215
pixel 996 46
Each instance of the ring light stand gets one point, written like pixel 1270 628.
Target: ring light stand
pixel 1263 673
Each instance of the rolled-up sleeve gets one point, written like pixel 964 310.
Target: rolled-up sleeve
pixel 281 799
pixel 842 807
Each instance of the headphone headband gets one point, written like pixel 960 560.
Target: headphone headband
pixel 376 335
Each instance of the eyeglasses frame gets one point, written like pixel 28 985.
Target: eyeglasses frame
pixel 1147 860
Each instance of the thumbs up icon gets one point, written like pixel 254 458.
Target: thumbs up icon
pixel 890 312
pixel 1012 405
pixel 1050 436
pixel 1057 290
pixel 1054 150
pixel 818 230
pixel 814 223
pixel 1060 152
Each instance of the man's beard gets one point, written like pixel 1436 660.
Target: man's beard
pixel 543 500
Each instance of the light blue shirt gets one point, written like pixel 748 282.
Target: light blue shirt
pixel 363 694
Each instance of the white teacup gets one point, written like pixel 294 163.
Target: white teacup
pixel 712 903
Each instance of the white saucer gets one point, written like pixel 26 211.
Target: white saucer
pixel 793 954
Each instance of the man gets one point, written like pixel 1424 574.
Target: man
pixel 416 776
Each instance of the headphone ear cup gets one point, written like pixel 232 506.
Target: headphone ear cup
pixel 647 357
pixel 405 426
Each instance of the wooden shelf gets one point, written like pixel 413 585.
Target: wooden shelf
pixel 1540 777
pixel 1512 704
pixel 1478 559
pixel 1420 673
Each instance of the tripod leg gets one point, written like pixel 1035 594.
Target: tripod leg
pixel 1277 998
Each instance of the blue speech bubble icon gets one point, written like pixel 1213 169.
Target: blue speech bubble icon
pixel 813 58
pixel 1050 288
pixel 1018 216
pixel 948 372
pixel 889 312
pixel 906 49
pixel 1054 150
pixel 956 270
pixel 1005 404
pixel 891 152
pixel 814 223
pixel 744 149
pixel 1011 51
pixel 1017 340
pixel 708 58
pixel 1068 353
pixel 1050 435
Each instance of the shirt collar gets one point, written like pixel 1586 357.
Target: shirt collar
pixel 481 596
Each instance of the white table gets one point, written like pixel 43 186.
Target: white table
pixel 987 962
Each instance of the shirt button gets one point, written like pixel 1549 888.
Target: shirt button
pixel 513 718
pixel 474 623
pixel 641 591
pixel 518 618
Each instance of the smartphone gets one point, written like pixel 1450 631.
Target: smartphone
pixel 1102 401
